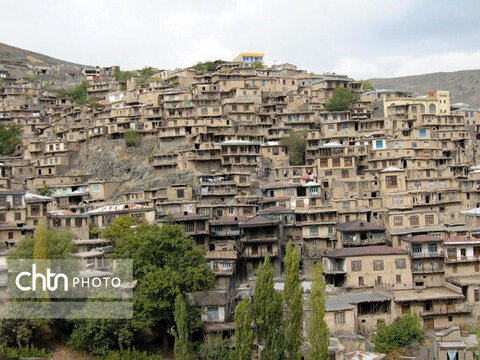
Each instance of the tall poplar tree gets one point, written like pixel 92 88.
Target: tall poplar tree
pixel 267 309
pixel 244 334
pixel 40 246
pixel 181 349
pixel 318 331
pixel 293 295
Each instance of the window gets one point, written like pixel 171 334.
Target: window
pixel 18 216
pixel 68 222
pixel 339 318
pixel 335 162
pixel 17 200
pixel 398 220
pixel 313 190
pixel 401 263
pixel 423 133
pixel 361 281
pixel 314 230
pixel 180 193
pixel 398 279
pixel 432 248
pixel 379 144
pixel 78 222
pixel 345 174
pixel 476 295
pixel 96 188
pixel 226 266
pixel 417 248
pixel 391 182
pixel 290 191
pixel 212 313
pixel 429 219
pixel 356 265
pixel 189 227
pixel 3 217
pixel 413 220
pixel 379 281
pixel 377 265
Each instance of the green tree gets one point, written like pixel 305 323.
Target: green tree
pixel 131 137
pixel 342 99
pixel 46 244
pixel 205 66
pixel 59 245
pixel 165 263
pixel 121 226
pixel 45 191
pixel 40 247
pixel 78 94
pixel 296 146
pixel 244 334
pixel 147 71
pixel 400 333
pixel 267 309
pixel 367 85
pixel 130 354
pixel 182 348
pixel 215 348
pixel 98 336
pixel 318 335
pixel 258 65
pixel 9 138
pixel 293 296
pixel 122 76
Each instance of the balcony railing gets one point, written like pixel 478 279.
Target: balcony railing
pixel 459 259
pixel 426 254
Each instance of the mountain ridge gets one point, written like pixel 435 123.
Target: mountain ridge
pixel 464 85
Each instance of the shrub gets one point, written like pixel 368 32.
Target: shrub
pixel 341 100
pixel 401 333
pixel 24 352
pixel 129 354
pixel 296 145
pixel 9 138
pixel 131 137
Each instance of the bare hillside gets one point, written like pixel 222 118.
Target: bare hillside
pixel 464 86
pixel 12 53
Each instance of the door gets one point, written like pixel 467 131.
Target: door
pixel 428 323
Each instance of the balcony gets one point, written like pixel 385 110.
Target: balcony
pixel 259 253
pixel 461 259
pixel 426 254
pixel 427 269
pixel 260 237
pixel 449 309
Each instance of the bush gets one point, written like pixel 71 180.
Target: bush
pixel 24 352
pixel 401 333
pixel 296 145
pixel 131 137
pixel 130 354
pixel 45 191
pixel 367 85
pixel 78 94
pixel 122 76
pixel 9 138
pixel 341 100
pixel 204 67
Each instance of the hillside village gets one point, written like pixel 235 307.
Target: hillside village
pixel 386 195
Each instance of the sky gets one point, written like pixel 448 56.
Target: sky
pixel 360 38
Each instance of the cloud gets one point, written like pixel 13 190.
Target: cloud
pixel 361 38
pixel 402 65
